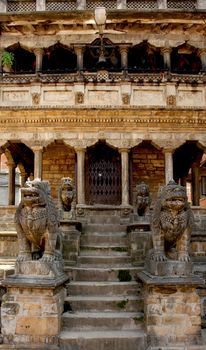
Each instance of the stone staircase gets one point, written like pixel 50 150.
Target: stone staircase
pixel 103 307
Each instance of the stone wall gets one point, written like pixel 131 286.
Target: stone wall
pixel 147 165
pixel 58 162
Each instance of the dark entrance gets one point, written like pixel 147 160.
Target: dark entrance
pixel 103 175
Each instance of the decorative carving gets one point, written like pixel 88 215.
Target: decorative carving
pixel 79 97
pixel 37 224
pixel 67 195
pixel 171 224
pixel 125 99
pixel 171 100
pixel 143 198
pixel 35 98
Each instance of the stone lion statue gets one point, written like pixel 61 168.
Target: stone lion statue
pixel 66 193
pixel 143 198
pixel 37 224
pixel 171 224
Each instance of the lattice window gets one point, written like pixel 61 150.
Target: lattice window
pixel 181 5
pixel 142 4
pixel 21 6
pixel 109 5
pixel 61 5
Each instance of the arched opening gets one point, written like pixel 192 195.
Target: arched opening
pixel 111 54
pixel 17 164
pixel 187 160
pixel 59 58
pixel 185 59
pixel 145 57
pixel 103 175
pixel 24 60
pixel 146 165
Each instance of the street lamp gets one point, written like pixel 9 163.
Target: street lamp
pixel 100 17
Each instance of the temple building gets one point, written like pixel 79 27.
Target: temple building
pixel 111 94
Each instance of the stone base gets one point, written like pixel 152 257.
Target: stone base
pixel 172 310
pixel 32 307
pixel 171 268
pixel 31 314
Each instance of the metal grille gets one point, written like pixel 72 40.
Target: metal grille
pixel 142 5
pixel 109 5
pixel 21 6
pixel 61 6
pixel 182 5
pixel 103 177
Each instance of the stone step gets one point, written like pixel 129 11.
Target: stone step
pixel 104 219
pixel 104 303
pixel 109 228
pixel 106 260
pixel 103 288
pixel 102 340
pixel 119 239
pixel 98 321
pixel 94 273
pixel 103 250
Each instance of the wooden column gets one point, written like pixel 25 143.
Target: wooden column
pixel 166 51
pixel 80 175
pixel 124 56
pixel 202 53
pixel 125 175
pixel 79 52
pixel 168 165
pixel 195 184
pixel 11 183
pixel 39 55
pixel 121 4
pixel 81 4
pixel 162 4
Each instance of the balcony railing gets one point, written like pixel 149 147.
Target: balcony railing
pixel 94 77
pixel 69 5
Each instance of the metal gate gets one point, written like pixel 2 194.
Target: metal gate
pixel 103 175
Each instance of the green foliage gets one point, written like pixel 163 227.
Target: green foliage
pixel 7 58
pixel 124 276
pixel 122 304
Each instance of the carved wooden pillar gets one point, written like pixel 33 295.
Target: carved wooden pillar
pixel 121 4
pixel 1 51
pixel 11 182
pixel 195 184
pixel 168 165
pixel 40 5
pixel 124 56
pixel 38 151
pixel 125 175
pixel 79 52
pixel 81 4
pixel 80 175
pixel 39 55
pixel 162 4
pixel 202 53
pixel 166 51
pixel 3 5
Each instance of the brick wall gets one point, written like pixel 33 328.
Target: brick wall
pixel 147 164
pixel 58 162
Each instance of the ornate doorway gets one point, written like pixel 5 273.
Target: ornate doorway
pixel 103 175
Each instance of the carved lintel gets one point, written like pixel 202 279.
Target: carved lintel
pixel 80 144
pixel 169 146
pixel 125 144
pixel 79 97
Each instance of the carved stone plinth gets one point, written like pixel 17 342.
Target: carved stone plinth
pixel 172 268
pixel 71 232
pixel 32 307
pixel 172 309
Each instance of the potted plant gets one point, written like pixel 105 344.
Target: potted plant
pixel 7 60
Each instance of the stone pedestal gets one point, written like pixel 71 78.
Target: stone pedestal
pixel 71 232
pixel 172 305
pixel 32 307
